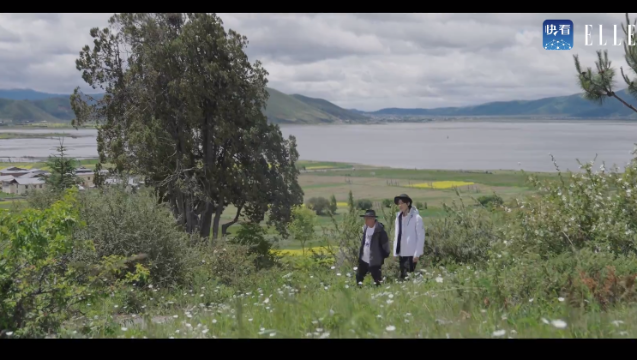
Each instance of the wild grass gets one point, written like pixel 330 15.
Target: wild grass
pixel 558 261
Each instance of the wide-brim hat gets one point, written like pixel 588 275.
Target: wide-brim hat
pixel 369 213
pixel 403 197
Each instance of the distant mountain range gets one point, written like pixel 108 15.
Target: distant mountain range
pixel 572 106
pixel 25 105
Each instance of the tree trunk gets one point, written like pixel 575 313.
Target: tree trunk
pixel 215 225
pixel 206 220
pixel 224 227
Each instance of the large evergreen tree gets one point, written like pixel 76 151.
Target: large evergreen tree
pixel 598 85
pixel 183 107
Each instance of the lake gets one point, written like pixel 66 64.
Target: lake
pixel 436 145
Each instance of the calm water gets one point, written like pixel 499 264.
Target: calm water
pixel 450 145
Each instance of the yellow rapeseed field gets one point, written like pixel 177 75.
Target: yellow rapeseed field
pixel 318 167
pixel 441 184
pixel 341 204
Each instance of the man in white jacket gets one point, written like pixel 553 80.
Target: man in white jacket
pixel 409 238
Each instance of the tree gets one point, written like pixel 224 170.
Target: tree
pixel 364 204
pixel 319 205
pixel 183 107
pixel 333 204
pixel 302 227
pixel 600 85
pixel 62 170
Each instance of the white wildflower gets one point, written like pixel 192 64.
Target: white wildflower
pixel 439 279
pixel 560 324
pixel 390 328
pixel 499 333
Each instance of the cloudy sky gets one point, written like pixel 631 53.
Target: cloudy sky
pixel 362 61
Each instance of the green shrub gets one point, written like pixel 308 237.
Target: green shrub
pixel 364 204
pixel 124 224
pixel 464 235
pixel 320 205
pixel 41 284
pixel 419 205
pixel 490 201
pixel 253 236
pixel 226 263
pixel 387 203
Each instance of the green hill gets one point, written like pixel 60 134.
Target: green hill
pixel 281 108
pixel 22 111
pixel 329 108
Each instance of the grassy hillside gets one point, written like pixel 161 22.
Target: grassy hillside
pixel 23 111
pixel 330 108
pixel 284 108
pixel 21 106
pixel 568 106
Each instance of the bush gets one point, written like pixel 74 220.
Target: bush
pixel 319 205
pixel 226 263
pixel 364 204
pixel 490 201
pixel 125 224
pixel 252 236
pixel 419 205
pixel 387 203
pixel 464 235
pixel 41 284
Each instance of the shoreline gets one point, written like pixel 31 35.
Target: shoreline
pixel 372 121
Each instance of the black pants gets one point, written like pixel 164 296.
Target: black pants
pixel 364 268
pixel 407 264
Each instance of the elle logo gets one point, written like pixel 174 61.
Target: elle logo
pixel 589 41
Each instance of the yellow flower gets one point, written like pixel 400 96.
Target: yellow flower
pixel 441 184
pixel 299 252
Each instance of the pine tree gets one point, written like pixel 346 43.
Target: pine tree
pixel 62 170
pixel 333 204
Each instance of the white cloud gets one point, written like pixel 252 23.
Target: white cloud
pixel 364 61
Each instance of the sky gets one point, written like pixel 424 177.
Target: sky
pixel 361 61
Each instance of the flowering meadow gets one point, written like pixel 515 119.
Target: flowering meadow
pixel 561 262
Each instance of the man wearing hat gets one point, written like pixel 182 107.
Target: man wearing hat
pixel 374 248
pixel 409 241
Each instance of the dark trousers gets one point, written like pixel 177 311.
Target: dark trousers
pixel 364 268
pixel 407 264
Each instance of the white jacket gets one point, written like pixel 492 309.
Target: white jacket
pixel 413 234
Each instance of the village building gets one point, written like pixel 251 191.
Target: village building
pixel 14 171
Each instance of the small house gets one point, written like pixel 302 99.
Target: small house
pixel 87 176
pixel 6 185
pixel 21 186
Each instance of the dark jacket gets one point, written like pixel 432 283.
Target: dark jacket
pixel 379 246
